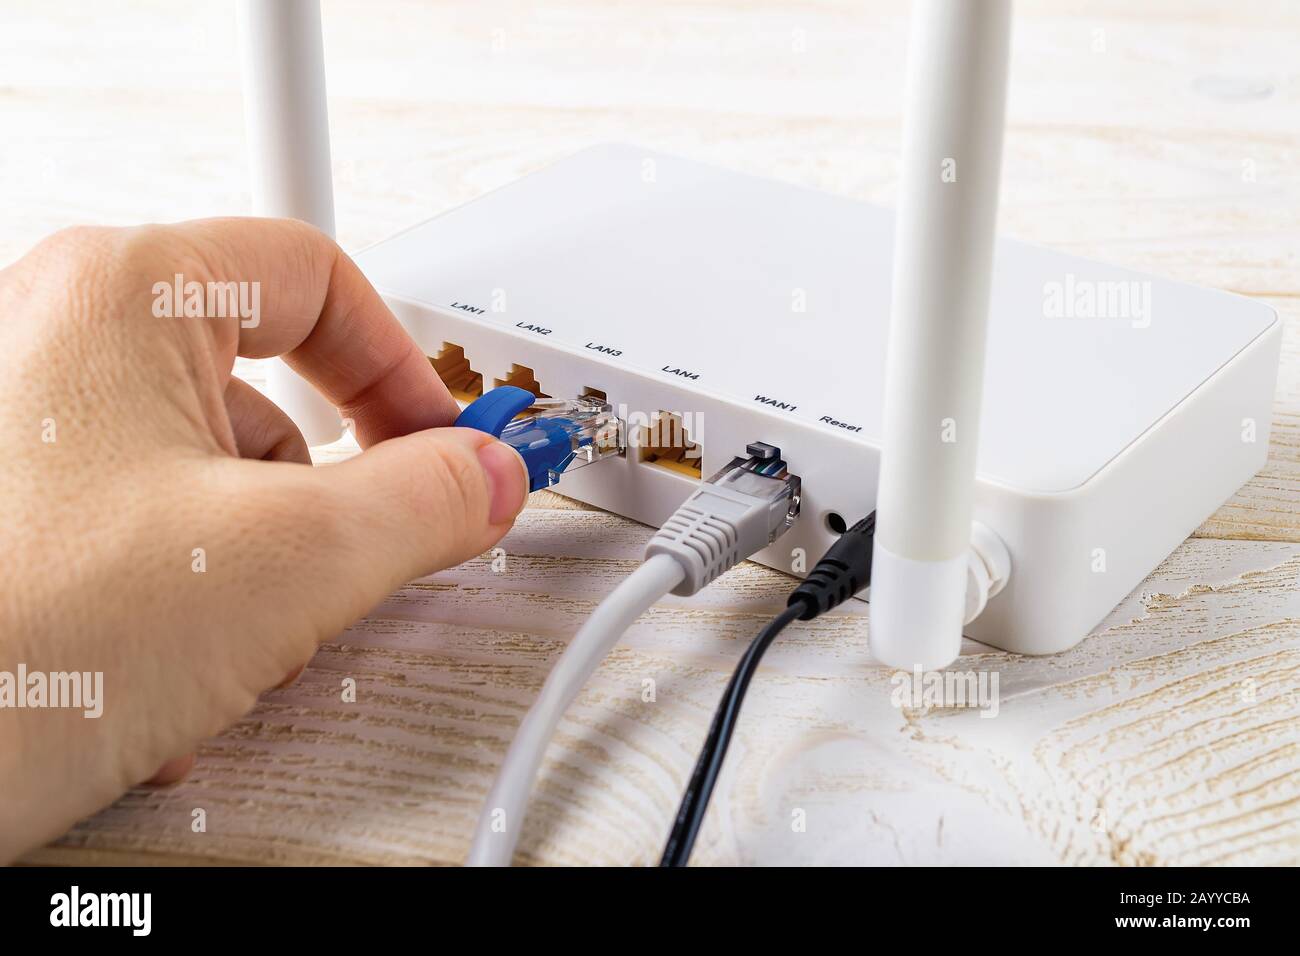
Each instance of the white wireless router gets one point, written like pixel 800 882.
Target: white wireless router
pixel 1118 410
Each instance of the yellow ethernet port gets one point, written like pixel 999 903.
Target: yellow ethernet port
pixel 667 443
pixel 453 368
pixel 521 376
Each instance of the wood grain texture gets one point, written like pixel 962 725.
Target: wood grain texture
pixel 1163 136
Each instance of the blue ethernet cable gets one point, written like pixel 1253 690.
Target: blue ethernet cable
pixel 559 435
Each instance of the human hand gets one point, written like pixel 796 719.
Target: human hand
pixel 165 527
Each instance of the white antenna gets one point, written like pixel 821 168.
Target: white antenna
pixel 289 149
pixel 943 251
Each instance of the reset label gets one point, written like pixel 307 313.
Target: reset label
pixel 826 419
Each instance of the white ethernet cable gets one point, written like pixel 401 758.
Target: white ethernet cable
pixel 508 798
pixel 740 510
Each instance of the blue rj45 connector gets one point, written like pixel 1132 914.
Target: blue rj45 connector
pixel 560 434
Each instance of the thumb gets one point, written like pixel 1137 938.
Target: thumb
pixel 426 501
pixel 334 541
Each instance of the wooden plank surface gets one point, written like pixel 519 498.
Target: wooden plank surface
pixel 1161 135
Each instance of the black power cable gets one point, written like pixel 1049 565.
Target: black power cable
pixel 843 571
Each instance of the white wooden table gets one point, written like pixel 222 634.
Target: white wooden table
pixel 1163 135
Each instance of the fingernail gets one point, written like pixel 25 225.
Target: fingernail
pixel 507 478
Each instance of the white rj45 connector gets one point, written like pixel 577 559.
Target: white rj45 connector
pixel 740 510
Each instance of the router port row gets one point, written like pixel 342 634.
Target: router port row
pixel 667 444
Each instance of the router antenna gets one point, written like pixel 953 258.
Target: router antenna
pixel 934 374
pixel 289 149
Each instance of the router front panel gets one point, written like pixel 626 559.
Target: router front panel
pixel 758 311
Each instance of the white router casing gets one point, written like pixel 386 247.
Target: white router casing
pixel 759 311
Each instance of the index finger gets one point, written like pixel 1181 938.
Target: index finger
pixel 317 310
